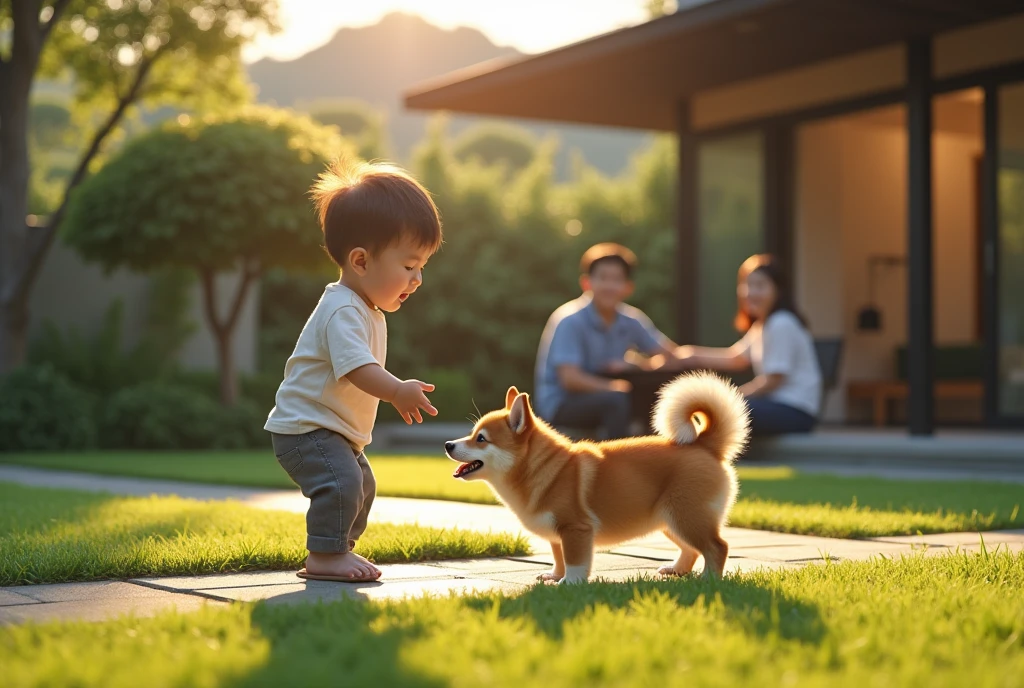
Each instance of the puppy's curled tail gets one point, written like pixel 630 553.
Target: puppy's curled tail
pixel 703 409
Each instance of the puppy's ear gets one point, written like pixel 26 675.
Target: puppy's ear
pixel 520 415
pixel 510 396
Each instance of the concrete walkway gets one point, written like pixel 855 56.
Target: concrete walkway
pixel 749 550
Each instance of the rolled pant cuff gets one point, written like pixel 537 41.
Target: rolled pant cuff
pixel 326 545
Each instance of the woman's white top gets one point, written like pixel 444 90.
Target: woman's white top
pixel 783 346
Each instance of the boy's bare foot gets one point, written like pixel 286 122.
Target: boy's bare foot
pixel 343 566
pixel 368 563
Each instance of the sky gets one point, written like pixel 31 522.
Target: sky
pixel 532 26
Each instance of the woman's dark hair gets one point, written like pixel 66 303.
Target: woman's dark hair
pixel 767 265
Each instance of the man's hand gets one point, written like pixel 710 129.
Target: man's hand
pixel 410 398
pixel 624 386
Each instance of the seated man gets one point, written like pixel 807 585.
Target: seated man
pixel 587 340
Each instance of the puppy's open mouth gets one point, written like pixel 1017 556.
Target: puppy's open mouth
pixel 465 469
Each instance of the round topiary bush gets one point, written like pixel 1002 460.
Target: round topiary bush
pixel 40 410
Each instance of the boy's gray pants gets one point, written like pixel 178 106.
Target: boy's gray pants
pixel 338 482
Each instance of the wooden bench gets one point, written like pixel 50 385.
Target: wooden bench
pixel 881 392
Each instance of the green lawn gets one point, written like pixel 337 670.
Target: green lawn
pixel 779 499
pixel 49 536
pixel 397 476
pixel 951 620
pixel 782 499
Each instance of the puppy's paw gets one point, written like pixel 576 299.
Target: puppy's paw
pixel 550 576
pixel 577 580
pixel 671 571
pixel 575 574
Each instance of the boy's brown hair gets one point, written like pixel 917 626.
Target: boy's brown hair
pixel 608 252
pixel 373 205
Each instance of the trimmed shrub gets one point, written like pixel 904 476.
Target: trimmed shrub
pixel 159 416
pixel 241 427
pixel 41 410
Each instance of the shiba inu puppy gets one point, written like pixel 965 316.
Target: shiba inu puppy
pixel 586 494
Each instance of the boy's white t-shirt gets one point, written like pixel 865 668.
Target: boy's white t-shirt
pixel 784 346
pixel 342 334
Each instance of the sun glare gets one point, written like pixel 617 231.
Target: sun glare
pixel 530 26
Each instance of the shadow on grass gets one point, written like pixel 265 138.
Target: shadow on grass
pixel 396 643
pixel 756 609
pixel 340 643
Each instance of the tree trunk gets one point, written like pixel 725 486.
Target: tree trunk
pixel 23 248
pixel 15 241
pixel 224 330
pixel 20 244
pixel 13 335
pixel 226 368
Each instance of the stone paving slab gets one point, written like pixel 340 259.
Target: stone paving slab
pixel 738 538
pixel 604 561
pixel 742 538
pixel 97 590
pixel 220 580
pixel 483 567
pixel 10 598
pixel 652 553
pixel 321 591
pixel 99 610
pixel 395 572
pixel 520 578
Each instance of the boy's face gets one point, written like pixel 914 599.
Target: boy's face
pixel 609 284
pixel 390 277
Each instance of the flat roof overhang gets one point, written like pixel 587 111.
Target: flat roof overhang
pixel 636 77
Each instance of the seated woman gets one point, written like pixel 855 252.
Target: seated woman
pixel 785 395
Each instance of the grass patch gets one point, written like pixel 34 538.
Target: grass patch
pixel 397 476
pixel 785 500
pixel 52 536
pixel 951 620
pixel 778 499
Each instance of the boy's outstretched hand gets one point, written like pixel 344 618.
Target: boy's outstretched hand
pixel 407 397
pixel 410 399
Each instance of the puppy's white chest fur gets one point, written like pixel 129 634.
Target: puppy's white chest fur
pixel 542 524
pixel 539 523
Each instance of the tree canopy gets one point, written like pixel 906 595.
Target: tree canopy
pixel 216 195
pixel 496 144
pixel 116 55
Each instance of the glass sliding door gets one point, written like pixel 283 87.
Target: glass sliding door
pixel 730 227
pixel 1009 255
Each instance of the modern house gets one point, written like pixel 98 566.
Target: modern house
pixel 876 146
